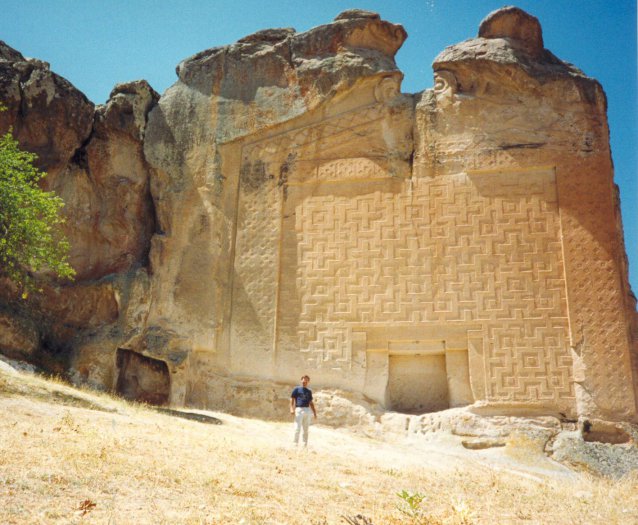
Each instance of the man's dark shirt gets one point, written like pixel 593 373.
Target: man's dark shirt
pixel 302 396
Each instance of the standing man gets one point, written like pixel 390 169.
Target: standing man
pixel 300 405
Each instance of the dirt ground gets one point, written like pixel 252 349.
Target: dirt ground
pixel 69 456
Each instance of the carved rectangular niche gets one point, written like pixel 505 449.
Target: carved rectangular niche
pixel 426 376
pixel 417 383
pixel 142 378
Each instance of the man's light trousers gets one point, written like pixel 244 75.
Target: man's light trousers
pixel 302 421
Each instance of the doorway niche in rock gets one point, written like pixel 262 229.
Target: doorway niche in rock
pixel 141 378
pixel 427 375
pixel 418 384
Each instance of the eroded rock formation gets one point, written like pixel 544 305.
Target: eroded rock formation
pixel 283 207
pixel 94 160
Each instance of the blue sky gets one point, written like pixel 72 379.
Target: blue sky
pixel 96 44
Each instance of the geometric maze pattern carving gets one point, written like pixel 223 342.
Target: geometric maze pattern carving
pixel 477 249
pixel 596 298
pixel 529 362
pixel 503 244
pixel 256 262
pixel 267 165
pixel 261 190
pixel 359 247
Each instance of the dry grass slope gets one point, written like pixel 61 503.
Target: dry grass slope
pixel 68 456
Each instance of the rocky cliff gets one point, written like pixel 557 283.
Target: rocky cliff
pixel 283 207
pixel 94 160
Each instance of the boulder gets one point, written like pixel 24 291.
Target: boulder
pixel 519 27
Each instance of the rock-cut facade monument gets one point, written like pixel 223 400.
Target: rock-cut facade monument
pixel 284 208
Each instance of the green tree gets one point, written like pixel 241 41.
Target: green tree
pixel 30 235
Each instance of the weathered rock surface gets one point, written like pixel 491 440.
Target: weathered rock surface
pixel 598 447
pixel 284 208
pixel 502 105
pixel 106 188
pixel 49 116
pixel 18 338
pixel 514 24
pixel 94 160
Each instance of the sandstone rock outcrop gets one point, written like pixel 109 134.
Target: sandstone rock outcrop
pixel 49 116
pixel 283 207
pixel 106 188
pixel 18 337
pixel 514 111
pixel 94 160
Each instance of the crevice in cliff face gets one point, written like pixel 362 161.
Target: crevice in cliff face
pixel 413 99
pixel 523 145
pixel 290 54
pixel 21 113
pixel 24 77
pixel 153 227
pixel 80 156
pixel 411 158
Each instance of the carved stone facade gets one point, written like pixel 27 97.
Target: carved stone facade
pixel 347 264
pixel 459 246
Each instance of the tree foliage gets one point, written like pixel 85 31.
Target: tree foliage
pixel 30 235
